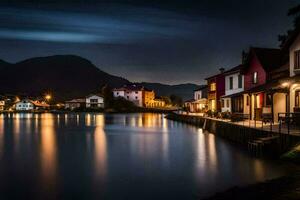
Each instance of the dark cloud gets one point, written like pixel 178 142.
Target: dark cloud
pixel 162 41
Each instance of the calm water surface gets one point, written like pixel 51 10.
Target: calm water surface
pixel 122 156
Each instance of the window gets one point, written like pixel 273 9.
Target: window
pixel 222 103
pixel 240 80
pixel 136 92
pixel 255 77
pixel 268 100
pixel 117 93
pixel 230 83
pixel 94 100
pixel 227 103
pixel 297 59
pixel 136 97
pixel 213 87
pixel 199 96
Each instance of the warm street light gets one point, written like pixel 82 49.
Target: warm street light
pixel 48 97
pixel 286 84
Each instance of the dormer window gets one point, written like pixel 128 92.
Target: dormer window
pixel 297 59
pixel 255 77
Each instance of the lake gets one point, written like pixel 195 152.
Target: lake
pixel 119 156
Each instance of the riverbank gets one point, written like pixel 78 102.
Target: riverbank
pixel 283 188
pixel 109 111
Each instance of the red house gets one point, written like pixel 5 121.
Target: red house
pixel 259 65
pixel 216 89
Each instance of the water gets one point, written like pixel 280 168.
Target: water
pixel 122 156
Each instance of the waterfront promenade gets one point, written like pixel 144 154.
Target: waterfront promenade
pixel 255 124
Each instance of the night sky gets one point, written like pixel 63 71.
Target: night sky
pixel 175 41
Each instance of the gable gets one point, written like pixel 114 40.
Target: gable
pixel 94 97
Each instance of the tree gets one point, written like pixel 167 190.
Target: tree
pixel 175 100
pixel 108 96
pixel 166 99
pixel 295 13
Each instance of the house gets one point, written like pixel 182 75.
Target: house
pixel 199 103
pixel 139 95
pixel 75 104
pixel 29 105
pixel 2 104
pixel 292 47
pixel 232 101
pixel 216 89
pixel 263 93
pixel 94 101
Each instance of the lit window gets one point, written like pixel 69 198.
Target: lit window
pixel 213 87
pixel 227 103
pixel 255 77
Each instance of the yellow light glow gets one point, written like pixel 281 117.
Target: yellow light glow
pixel 285 84
pixel 48 97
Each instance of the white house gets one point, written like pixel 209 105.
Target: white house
pixel 139 95
pixel 94 101
pixel 199 103
pixel 27 105
pixel 75 103
pixel 234 84
pixel 293 46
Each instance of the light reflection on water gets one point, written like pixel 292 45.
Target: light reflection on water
pixel 134 156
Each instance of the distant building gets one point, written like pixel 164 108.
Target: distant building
pixel 94 101
pixel 28 105
pixel 199 103
pixel 139 95
pixel 75 104
pixel 2 104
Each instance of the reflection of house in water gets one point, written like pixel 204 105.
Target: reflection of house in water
pixel 48 146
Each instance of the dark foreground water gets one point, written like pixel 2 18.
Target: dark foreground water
pixel 122 156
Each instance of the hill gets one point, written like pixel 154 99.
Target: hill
pixel 68 76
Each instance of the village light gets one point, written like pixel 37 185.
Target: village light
pixel 48 97
pixel 286 84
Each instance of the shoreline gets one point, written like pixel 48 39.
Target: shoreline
pixel 139 110
pixel 283 188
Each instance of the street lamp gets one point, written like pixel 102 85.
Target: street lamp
pixel 48 97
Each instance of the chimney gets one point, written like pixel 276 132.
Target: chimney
pixel 244 57
pixel 222 70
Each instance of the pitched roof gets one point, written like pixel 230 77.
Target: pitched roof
pixel 291 38
pixel 270 59
pixel 99 95
pixel 76 101
pixel 234 69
